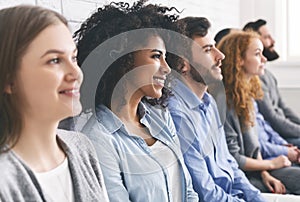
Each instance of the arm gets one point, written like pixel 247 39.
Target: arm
pixel 109 162
pixel 273 184
pixel 270 149
pixel 202 180
pixel 288 125
pixel 242 183
pixel 234 139
pixel 288 112
pixel 248 158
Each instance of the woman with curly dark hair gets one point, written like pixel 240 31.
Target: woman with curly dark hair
pixel 243 64
pixel 125 47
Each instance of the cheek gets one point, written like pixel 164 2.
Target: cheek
pixel 203 62
pixel 44 85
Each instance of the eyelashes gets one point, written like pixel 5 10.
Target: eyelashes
pixel 58 60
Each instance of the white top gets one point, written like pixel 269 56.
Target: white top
pixel 165 156
pixel 57 183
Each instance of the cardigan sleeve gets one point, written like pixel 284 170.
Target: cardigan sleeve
pixel 241 144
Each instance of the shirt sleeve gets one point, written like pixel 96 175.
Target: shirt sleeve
pixel 109 162
pixel 241 182
pixel 269 149
pixel 202 181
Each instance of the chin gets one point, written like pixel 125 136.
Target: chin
pixel 75 110
pixel 156 96
pixel 214 79
pixel 219 78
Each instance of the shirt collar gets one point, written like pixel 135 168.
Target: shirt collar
pixel 112 122
pixel 191 100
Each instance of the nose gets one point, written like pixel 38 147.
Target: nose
pixel 263 59
pixel 74 73
pixel 165 68
pixel 272 40
pixel 219 55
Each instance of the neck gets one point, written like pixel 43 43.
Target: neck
pixel 125 107
pixel 38 146
pixel 196 87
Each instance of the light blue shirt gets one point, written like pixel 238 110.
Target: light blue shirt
pixel 131 172
pixel 271 143
pixel 214 171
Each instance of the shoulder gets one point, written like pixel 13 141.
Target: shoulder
pixel 97 132
pixel 157 111
pixel 13 175
pixel 7 165
pixel 174 100
pixel 268 77
pixel 72 138
pixel 76 143
pixel 232 120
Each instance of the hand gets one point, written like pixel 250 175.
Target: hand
pixel 288 145
pixel 280 162
pixel 293 154
pixel 273 184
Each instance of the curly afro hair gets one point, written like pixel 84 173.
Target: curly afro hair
pixel 114 21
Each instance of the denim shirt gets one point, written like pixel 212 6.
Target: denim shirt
pixel 131 172
pixel 271 143
pixel 214 171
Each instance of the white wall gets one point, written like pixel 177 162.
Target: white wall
pixel 286 72
pixel 222 14
pixel 78 10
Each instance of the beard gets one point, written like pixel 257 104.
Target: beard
pixel 206 76
pixel 270 54
pixel 196 75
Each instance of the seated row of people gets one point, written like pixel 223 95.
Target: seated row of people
pixel 155 134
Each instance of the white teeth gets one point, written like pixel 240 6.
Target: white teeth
pixel 71 91
pixel 162 81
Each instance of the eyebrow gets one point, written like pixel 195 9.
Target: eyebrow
pixel 156 50
pixel 56 51
pixel 207 46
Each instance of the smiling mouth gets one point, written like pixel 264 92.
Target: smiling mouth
pixel 159 80
pixel 217 68
pixel 72 92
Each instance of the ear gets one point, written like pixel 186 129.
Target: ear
pixel 185 68
pixel 242 62
pixel 8 88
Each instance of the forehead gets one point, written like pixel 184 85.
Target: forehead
pixel 255 44
pixel 52 37
pixel 205 40
pixel 153 42
pixel 263 30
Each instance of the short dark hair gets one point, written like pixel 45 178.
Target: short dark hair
pixel 193 27
pixel 254 26
pixel 220 35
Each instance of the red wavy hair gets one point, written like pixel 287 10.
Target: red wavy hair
pixel 239 91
